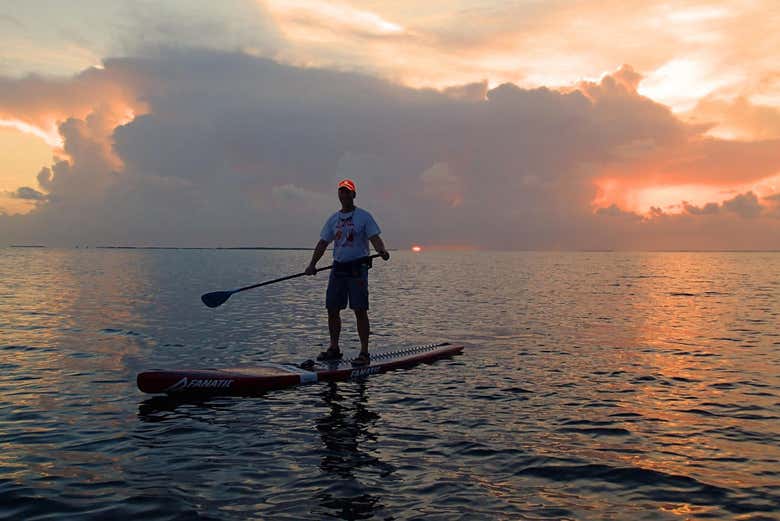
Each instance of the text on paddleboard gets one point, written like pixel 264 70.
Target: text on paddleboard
pixel 200 383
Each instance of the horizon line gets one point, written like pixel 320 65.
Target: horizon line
pixel 298 248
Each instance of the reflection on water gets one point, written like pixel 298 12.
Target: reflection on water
pixel 594 385
pixel 342 430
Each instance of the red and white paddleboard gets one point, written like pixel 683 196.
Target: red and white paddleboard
pixel 243 381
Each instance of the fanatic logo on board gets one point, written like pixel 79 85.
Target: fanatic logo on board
pixel 366 371
pixel 200 383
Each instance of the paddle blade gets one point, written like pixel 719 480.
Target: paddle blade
pixel 216 298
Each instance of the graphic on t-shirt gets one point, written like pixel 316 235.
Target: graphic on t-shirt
pixel 350 233
pixel 345 227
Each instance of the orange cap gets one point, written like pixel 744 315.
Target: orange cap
pixel 348 184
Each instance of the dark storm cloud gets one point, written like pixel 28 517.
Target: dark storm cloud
pixel 232 149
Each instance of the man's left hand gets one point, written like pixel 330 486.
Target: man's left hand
pixel 385 255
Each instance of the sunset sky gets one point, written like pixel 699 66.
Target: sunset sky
pixel 465 124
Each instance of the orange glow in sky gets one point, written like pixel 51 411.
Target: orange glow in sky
pixel 667 197
pixel 670 197
pixel 416 249
pixel 51 136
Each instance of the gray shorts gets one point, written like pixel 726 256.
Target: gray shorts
pixel 343 289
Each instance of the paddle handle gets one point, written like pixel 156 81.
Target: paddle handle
pixel 288 277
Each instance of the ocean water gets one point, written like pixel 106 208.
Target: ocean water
pixel 593 386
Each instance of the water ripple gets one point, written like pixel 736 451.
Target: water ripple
pixel 593 386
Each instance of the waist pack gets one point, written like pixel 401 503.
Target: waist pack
pixel 352 268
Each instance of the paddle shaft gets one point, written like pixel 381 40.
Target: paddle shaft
pixel 288 277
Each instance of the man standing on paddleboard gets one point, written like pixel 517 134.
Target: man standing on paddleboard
pixel 350 229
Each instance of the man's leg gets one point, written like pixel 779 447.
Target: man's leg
pixel 335 300
pixel 334 326
pixel 363 328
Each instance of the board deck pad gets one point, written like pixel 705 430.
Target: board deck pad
pixel 255 379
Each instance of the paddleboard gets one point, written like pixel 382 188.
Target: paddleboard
pixel 249 380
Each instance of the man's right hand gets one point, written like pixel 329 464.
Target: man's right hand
pixel 311 269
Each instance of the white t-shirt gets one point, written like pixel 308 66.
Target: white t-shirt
pixel 350 233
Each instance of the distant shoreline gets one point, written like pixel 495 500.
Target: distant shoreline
pixel 194 248
pixel 167 247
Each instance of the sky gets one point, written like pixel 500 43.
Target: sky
pixel 632 125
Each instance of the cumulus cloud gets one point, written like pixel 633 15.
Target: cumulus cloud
pixel 707 209
pixel 43 103
pixel 614 210
pixel 744 205
pixel 303 200
pixel 471 91
pixel 27 193
pixel 228 148
pixel 440 184
pixel 738 118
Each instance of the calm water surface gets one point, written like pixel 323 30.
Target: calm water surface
pixel 594 386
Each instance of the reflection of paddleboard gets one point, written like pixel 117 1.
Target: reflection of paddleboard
pixel 264 377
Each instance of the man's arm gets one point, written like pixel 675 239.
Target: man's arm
pixel 319 251
pixel 379 246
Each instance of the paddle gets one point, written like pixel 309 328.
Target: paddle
pixel 217 298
